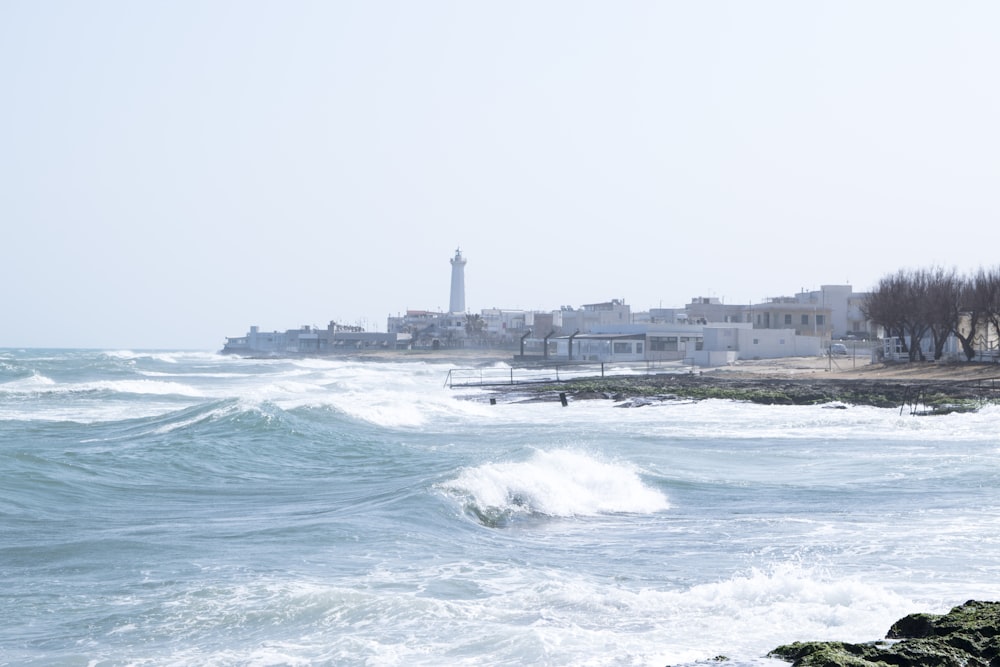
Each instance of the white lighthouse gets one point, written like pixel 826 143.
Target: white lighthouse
pixel 457 304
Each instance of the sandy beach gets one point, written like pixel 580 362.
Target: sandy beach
pixel 859 368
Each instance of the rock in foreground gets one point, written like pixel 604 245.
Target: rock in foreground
pixel 968 635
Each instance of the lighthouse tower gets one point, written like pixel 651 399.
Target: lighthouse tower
pixel 457 283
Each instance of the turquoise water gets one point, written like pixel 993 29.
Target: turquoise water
pixel 188 508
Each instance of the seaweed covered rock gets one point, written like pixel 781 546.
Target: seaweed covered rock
pixel 936 397
pixel 968 635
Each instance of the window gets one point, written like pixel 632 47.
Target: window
pixel 638 348
pixel 663 344
pixel 623 348
pixel 788 319
pixel 820 320
pixel 805 319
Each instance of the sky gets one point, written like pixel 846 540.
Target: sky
pixel 172 173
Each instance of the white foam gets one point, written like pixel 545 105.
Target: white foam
pixel 166 356
pixel 558 616
pixel 31 384
pixel 150 387
pixel 41 384
pixel 557 483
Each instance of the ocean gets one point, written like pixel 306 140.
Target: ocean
pixel 177 508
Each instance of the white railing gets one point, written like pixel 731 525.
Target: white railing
pixel 499 375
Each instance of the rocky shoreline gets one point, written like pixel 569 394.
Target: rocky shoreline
pixel 968 635
pixel 927 395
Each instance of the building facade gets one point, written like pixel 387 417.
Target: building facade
pixel 804 318
pixel 312 341
pixel 592 315
pixel 845 305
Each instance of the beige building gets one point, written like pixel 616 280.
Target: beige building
pixel 709 310
pixel 805 319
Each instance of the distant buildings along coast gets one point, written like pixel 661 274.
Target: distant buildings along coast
pixel 705 331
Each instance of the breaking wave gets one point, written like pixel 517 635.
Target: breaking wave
pixel 560 483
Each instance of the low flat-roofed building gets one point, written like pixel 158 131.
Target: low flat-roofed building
pixel 723 345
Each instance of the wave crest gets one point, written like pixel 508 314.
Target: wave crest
pixel 560 483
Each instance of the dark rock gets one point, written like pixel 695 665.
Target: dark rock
pixel 939 397
pixel 967 636
pixel 914 625
pixel 827 654
pixel 590 395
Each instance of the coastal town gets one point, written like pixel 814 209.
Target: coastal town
pixel 705 332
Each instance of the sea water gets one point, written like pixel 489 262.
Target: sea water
pixel 177 508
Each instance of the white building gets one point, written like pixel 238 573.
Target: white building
pixel 597 347
pixel 702 345
pixel 844 306
pixel 626 342
pixel 592 315
pixel 725 344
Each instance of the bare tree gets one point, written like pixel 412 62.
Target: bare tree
pixel 884 306
pixel 991 299
pixel 900 304
pixel 915 313
pixel 941 305
pixel 977 300
pixel 909 305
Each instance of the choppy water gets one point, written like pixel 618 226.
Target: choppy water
pixel 187 508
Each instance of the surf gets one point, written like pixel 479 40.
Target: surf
pixel 553 483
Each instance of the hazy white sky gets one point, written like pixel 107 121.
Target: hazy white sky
pixel 173 172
